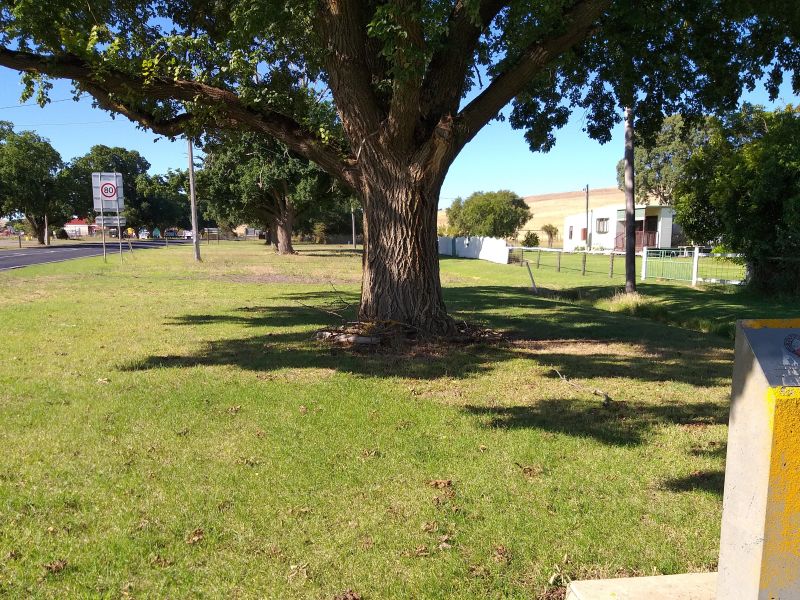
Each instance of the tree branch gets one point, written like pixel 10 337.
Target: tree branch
pixel 579 19
pixel 447 72
pixel 342 27
pixel 107 87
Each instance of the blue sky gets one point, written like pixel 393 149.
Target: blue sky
pixel 498 157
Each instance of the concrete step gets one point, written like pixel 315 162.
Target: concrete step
pixel 688 586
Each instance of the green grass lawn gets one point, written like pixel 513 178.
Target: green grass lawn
pixel 171 429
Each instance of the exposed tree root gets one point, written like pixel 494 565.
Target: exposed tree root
pixel 396 335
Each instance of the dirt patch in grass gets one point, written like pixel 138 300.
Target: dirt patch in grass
pixel 280 278
pixel 578 347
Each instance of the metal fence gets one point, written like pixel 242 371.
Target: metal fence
pixel 690 264
pixel 608 263
pixel 694 265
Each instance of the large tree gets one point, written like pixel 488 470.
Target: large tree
pixel 742 188
pixel 251 179
pixel 29 181
pixel 407 79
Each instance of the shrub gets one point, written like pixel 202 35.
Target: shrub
pixel 531 239
pixel 320 233
pixel 61 234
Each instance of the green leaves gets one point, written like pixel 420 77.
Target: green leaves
pixel 494 214
pixel 742 188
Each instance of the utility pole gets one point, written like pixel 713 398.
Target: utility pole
pixel 46 231
pixel 588 234
pixel 630 207
pixel 193 203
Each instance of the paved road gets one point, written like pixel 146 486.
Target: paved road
pixel 15 259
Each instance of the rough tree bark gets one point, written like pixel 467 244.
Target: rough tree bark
pixel 284 227
pixel 400 276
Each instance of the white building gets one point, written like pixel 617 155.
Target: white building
pixel 655 228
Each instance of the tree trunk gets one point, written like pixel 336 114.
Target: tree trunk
pixel 630 207
pixel 400 280
pixel 284 226
pixel 38 228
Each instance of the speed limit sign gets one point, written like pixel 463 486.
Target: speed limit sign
pixel 107 191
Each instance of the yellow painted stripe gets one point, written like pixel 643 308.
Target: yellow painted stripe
pixel 771 323
pixel 780 570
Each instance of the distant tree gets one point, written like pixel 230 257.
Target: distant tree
pixel 659 164
pixel 77 177
pixel 551 231
pixel 29 180
pixel 742 189
pixel 493 214
pixel 161 201
pixel 531 239
pixel 256 180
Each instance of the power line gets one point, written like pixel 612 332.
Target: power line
pixel 34 104
pixel 74 123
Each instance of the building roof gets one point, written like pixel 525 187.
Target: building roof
pixel 77 222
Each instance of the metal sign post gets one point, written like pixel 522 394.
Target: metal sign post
pixel 119 231
pixel 103 231
pixel 108 196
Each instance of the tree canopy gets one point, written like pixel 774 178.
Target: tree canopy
pixel 101 158
pixel 494 214
pixel 743 189
pixel 29 180
pixel 411 82
pixel 659 164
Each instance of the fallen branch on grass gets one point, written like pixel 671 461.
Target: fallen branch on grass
pixel 607 401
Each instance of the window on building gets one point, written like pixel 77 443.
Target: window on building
pixel 601 226
pixel 570 232
pixel 583 234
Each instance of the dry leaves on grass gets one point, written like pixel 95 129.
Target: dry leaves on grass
pixel 233 410
pixel 501 554
pixel 478 571
pixel 56 566
pixel 530 471
pixel 370 453
pixel 298 573
pixel 160 561
pixel 303 409
pixel 440 483
pixel 430 526
pixel 195 536
pixel 347 595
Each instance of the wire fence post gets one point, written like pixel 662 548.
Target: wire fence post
pixel 583 264
pixel 611 265
pixel 538 258
pixel 644 263
pixel 695 265
pixel 20 240
pixel 558 263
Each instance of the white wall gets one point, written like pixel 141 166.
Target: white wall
pixel 484 248
pixel 598 241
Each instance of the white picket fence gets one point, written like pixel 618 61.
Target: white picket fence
pixel 484 248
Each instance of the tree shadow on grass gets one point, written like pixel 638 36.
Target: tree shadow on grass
pixel 510 309
pixel 712 481
pixel 621 424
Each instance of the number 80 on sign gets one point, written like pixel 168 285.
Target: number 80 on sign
pixel 107 192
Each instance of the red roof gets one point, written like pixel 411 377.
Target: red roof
pixel 77 222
